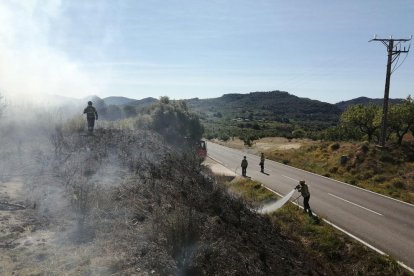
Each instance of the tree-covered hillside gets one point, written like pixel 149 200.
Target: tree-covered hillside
pixel 263 114
pixel 273 106
pixel 364 101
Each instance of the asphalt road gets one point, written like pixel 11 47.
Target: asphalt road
pixel 380 221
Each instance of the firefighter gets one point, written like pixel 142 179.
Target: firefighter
pixel 262 159
pixel 91 116
pixel 304 191
pixel 244 166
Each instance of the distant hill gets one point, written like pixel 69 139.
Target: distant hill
pixel 364 100
pixel 143 102
pixel 118 100
pixel 274 106
pixel 115 108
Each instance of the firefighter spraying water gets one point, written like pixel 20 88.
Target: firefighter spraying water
pixel 304 191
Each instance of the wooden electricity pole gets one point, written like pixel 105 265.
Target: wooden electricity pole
pixel 394 51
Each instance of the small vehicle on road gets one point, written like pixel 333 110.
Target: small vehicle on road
pixel 202 149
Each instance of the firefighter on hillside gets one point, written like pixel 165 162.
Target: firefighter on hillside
pixel 91 116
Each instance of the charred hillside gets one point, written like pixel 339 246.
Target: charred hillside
pixel 176 218
pixel 129 200
pixel 133 198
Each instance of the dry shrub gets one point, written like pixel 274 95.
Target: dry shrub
pixel 398 183
pixel 75 125
pixel 335 146
pixel 364 147
pixel 333 170
pixel 379 178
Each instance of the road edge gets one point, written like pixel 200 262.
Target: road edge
pixel 398 200
pixel 331 223
pixel 347 233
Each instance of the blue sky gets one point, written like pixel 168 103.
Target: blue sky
pixel 186 49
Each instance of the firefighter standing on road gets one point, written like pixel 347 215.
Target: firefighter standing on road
pixel 304 191
pixel 262 159
pixel 244 166
pixel 91 116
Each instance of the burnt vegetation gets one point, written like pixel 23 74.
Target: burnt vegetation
pixel 165 213
pixel 134 198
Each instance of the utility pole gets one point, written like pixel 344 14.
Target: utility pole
pixel 394 51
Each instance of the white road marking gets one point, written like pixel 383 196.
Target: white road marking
pixel 290 178
pixel 367 244
pixel 353 186
pixel 350 202
pixel 344 183
pixel 349 234
pixel 273 191
pixel 334 225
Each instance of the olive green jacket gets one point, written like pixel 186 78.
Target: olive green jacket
pixel 304 190
pixel 90 112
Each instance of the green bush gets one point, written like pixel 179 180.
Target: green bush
pixel 210 136
pixel 298 133
pixel 386 156
pixel 352 182
pixel 365 175
pixel 224 137
pixel 174 122
pixel 364 147
pixel 379 178
pixel 333 170
pixel 398 183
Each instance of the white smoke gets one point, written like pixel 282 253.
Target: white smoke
pixel 29 66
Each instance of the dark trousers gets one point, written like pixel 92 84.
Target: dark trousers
pixel 306 205
pixel 91 123
pixel 262 167
pixel 244 171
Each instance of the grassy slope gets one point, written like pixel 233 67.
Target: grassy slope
pixel 389 172
pixel 320 241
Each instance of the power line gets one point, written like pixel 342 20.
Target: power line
pixel 394 50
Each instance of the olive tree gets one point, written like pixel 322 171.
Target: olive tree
pixel 401 118
pixel 365 118
pixel 175 122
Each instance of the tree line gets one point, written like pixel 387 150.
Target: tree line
pixel 363 122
